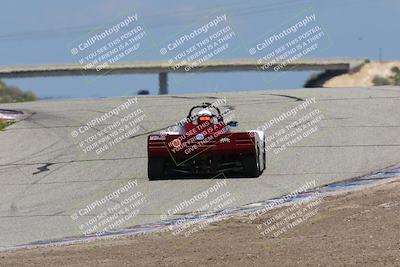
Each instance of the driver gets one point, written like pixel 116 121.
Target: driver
pixel 203 120
pixel 203 116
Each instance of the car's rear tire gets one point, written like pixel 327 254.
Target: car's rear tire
pixel 251 166
pixel 155 169
pixel 264 158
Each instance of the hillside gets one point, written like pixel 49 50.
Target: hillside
pixel 373 73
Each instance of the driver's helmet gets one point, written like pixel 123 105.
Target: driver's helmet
pixel 204 115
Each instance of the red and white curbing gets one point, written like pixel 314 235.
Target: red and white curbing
pixel 8 115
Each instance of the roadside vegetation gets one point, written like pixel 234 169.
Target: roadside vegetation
pixel 10 94
pixel 393 79
pixel 3 125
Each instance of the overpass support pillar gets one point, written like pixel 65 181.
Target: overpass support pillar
pixel 163 83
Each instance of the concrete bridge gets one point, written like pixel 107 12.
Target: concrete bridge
pixel 162 68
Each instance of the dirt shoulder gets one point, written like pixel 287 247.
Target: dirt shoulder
pixel 358 228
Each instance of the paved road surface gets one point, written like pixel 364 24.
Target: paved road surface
pixel 360 133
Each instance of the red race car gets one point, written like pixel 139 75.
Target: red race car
pixel 205 146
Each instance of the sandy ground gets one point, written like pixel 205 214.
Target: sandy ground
pixel 360 228
pixel 363 78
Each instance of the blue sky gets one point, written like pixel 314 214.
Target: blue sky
pixel 43 32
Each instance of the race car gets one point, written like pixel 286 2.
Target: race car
pixel 205 146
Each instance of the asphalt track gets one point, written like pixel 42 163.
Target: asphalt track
pixel 45 176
